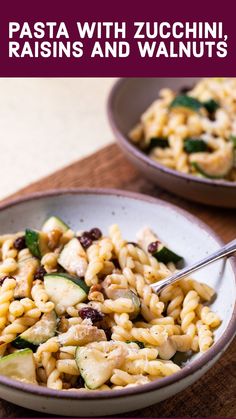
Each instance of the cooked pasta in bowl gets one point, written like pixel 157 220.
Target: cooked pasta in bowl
pixel 194 130
pixel 79 321
pixel 181 133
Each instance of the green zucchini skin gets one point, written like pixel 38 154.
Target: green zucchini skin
pixel 65 290
pixel 158 142
pixel 21 343
pixel 195 145
pixel 202 172
pixel 140 344
pixel 19 365
pixel 32 239
pixel 94 372
pixel 54 222
pixel 31 338
pixel 76 280
pixel 185 101
pixel 125 293
pixel 233 139
pixel 165 255
pixel 211 106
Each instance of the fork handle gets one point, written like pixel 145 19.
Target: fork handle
pixel 226 250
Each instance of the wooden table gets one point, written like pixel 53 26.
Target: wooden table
pixel 214 394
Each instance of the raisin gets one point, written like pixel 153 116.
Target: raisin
pixel 116 263
pixel 80 382
pixel 108 333
pixel 95 233
pixel 39 274
pixel 85 240
pixel 90 313
pixel 152 247
pixel 19 243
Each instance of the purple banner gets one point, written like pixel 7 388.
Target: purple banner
pixel 126 38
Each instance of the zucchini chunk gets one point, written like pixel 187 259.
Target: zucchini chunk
pixel 211 106
pixel 54 223
pixel 20 366
pixel 185 101
pixel 65 290
pixel 195 145
pixel 233 139
pixel 39 333
pixel 24 277
pixel 113 294
pixel 73 258
pixel 135 300
pixel 94 367
pixel 158 142
pixel 165 255
pixel 215 165
pixel 36 241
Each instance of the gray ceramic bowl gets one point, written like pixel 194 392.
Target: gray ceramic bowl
pixel 127 101
pixel 83 209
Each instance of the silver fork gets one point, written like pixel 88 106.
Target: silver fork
pixel 226 250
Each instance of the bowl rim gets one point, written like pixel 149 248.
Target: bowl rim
pixel 216 350
pixel 123 140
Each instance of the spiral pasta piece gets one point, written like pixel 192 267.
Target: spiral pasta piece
pixel 53 374
pixel 120 305
pixel 121 329
pixel 95 265
pixel 207 316
pixel 15 328
pixel 6 295
pixel 41 298
pixel 150 303
pixel 49 261
pixel 158 368
pixel 174 306
pixel 122 378
pixel 116 238
pixel 155 336
pixel 8 266
pixel 8 250
pixel 187 314
pixel 119 322
pixel 67 366
pixel 22 307
pixel 205 337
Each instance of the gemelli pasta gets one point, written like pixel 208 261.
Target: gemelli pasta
pixel 77 312
pixel 194 130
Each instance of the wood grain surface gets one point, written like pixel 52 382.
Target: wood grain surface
pixel 214 394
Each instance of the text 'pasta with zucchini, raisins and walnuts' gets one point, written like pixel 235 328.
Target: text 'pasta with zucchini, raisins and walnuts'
pixel 78 313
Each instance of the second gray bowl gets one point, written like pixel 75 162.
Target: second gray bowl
pixel 128 99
